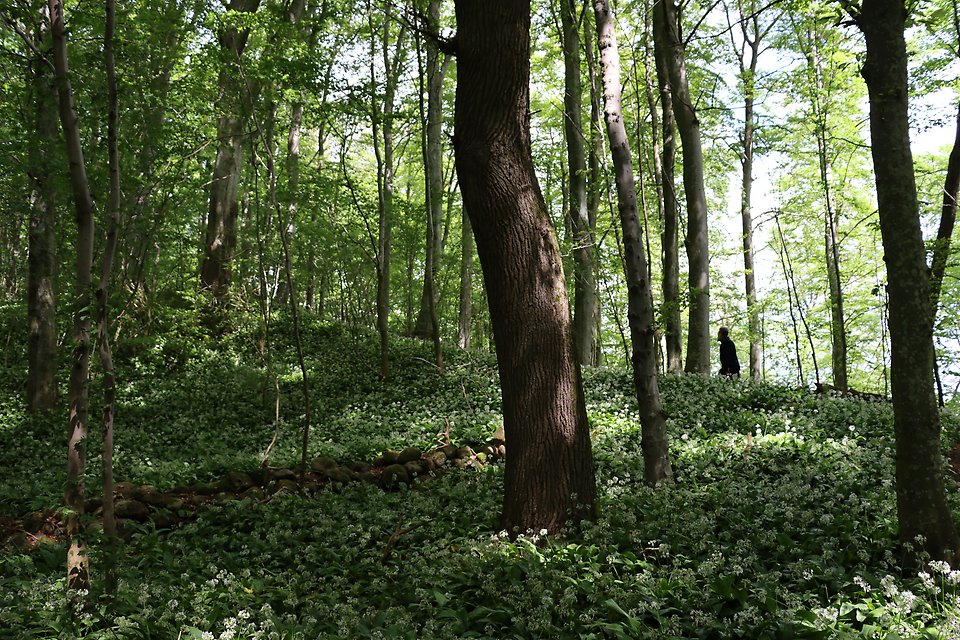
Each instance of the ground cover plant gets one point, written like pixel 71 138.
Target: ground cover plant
pixel 790 534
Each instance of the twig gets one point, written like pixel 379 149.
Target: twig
pixel 399 531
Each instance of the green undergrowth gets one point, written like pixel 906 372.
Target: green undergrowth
pixel 791 537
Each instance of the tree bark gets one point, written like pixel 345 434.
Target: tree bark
pixel 948 218
pixel 549 478
pixel 667 39
pixel 102 297
pixel 585 305
pixel 382 125
pixel 466 284
pixel 221 232
pixel 670 236
pixel 42 256
pixel 924 515
pixel 752 35
pixel 78 564
pixel 655 444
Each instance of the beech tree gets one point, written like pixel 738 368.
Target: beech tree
pixel 549 478
pixel 42 256
pixel 926 524
pixel 656 455
pixel 221 234
pixel 668 39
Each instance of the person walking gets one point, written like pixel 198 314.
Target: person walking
pixel 729 364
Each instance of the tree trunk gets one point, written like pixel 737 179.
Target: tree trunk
pixel 924 515
pixel 667 39
pixel 221 234
pixel 382 125
pixel 655 445
pixel 669 239
pixel 102 296
pixel 78 565
pixel 437 65
pixel 585 287
pixel 42 258
pixel 948 217
pixel 549 478
pixel 466 284
pixel 752 35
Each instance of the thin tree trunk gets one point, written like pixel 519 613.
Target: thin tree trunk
pixel 595 183
pixel 42 257
pixel 925 520
pixel 382 124
pixel 831 247
pixel 102 296
pixel 669 239
pixel 78 564
pixel 585 287
pixel 667 38
pixel 781 251
pixel 466 284
pixel 549 478
pixel 752 35
pixel 948 217
pixel 655 444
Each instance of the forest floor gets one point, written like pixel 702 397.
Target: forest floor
pixel 791 537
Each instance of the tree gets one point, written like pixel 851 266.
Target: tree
pixel 753 31
pixel 78 564
pixel 585 288
pixel 42 256
pixel 656 453
pixel 667 38
pixel 549 478
pixel 382 107
pixel 926 524
pixel 221 235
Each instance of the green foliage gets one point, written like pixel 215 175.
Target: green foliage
pixel 794 538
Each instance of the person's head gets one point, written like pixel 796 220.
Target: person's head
pixel 722 333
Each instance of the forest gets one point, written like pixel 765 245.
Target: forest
pixel 405 318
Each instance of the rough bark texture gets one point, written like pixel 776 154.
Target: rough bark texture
pixel 922 507
pixel 667 39
pixel 585 306
pixel 78 565
pixel 221 234
pixel 549 478
pixel 655 445
pixel 42 257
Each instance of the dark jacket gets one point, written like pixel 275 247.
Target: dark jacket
pixel 729 365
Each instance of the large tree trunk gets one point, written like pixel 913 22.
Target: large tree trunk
pixel 221 234
pixel 78 565
pixel 549 479
pixel 667 39
pixel 922 507
pixel 655 445
pixel 42 258
pixel 585 287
